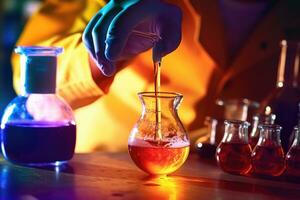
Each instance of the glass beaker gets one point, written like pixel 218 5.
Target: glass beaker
pixel 234 152
pixel 159 148
pixel 38 127
pixel 293 156
pixel 259 120
pixel 268 156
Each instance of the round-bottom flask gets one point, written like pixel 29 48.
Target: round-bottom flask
pixel 38 127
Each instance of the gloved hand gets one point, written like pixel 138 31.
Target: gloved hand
pixel 117 31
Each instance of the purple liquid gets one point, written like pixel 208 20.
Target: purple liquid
pixel 39 143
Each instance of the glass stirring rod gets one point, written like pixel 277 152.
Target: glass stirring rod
pixel 157 67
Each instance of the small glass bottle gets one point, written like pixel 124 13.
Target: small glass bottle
pixel 206 147
pixel 234 152
pixel 268 156
pixel 259 120
pixel 159 148
pixel 293 156
pixel 284 99
pixel 38 127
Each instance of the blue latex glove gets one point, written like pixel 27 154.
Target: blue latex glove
pixel 114 33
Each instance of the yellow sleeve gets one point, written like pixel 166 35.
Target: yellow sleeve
pixel 61 23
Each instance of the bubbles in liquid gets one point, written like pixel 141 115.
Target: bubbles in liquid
pixel 268 160
pixel 293 162
pixel 234 157
pixel 158 157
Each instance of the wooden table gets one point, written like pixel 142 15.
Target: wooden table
pixel 114 176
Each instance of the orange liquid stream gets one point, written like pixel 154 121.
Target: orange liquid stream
pixel 158 134
pixel 158 159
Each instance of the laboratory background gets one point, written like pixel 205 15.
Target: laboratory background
pixel 13 15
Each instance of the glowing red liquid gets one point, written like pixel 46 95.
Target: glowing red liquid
pixel 234 157
pixel 293 162
pixel 268 160
pixel 158 159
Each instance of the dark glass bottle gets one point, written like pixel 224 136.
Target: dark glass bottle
pixel 206 147
pixel 283 100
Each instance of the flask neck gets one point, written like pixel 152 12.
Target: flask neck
pixel 269 135
pixel 296 139
pixel 38 69
pixel 288 74
pixel 38 74
pixel 236 132
pixel 168 103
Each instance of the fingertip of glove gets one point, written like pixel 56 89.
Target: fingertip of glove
pixel 111 51
pixel 107 68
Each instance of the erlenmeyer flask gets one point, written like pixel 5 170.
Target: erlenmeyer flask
pixel 38 127
pixel 159 149
pixel 268 156
pixel 293 156
pixel 267 118
pixel 234 152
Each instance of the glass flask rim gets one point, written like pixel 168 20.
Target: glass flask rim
pixel 258 116
pixel 162 95
pixel 270 126
pixel 238 101
pixel 287 43
pixel 236 122
pixel 296 128
pixel 38 50
pixel 209 119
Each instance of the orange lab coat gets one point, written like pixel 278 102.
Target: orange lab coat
pixel 199 68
